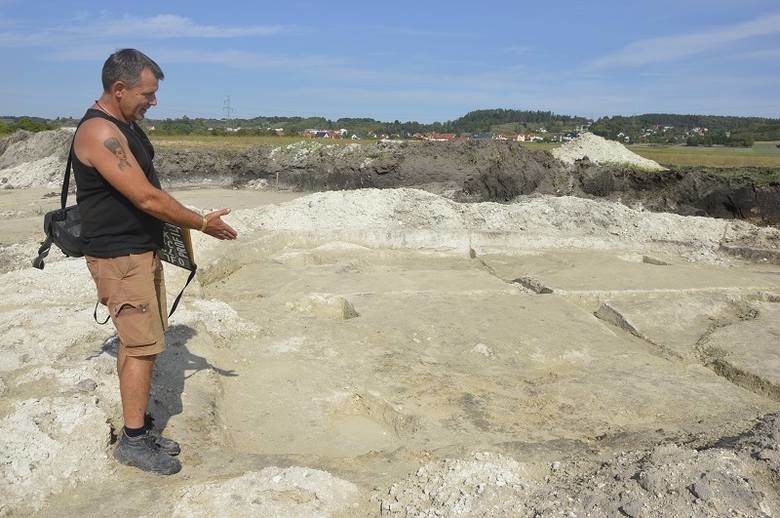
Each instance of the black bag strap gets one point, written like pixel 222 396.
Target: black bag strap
pixel 178 297
pixel 94 315
pixel 43 251
pixel 66 180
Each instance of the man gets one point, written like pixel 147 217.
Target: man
pixel 123 209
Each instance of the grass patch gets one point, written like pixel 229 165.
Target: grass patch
pixel 540 146
pixel 762 154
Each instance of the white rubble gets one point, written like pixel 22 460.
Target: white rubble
pixel 35 159
pixel 39 335
pixel 602 151
pixel 411 218
pixel 50 445
pixel 488 484
pixel 271 492
pixel 63 282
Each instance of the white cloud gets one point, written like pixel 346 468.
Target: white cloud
pixel 92 53
pixel 16 39
pixel 672 48
pixel 173 26
pixel 163 26
pixel 760 54
pixel 228 58
pixel 244 59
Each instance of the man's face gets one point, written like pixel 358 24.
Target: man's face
pixel 138 98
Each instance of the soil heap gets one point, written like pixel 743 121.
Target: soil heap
pixel 34 159
pixel 602 151
pixel 463 171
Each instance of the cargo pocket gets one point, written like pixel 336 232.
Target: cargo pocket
pixel 136 323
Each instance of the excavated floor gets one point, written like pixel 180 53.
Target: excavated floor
pixel 370 362
pixel 448 354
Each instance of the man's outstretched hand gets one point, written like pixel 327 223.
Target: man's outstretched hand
pixel 218 228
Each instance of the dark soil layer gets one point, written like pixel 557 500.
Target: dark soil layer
pixel 481 171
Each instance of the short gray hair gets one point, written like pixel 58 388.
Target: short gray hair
pixel 126 65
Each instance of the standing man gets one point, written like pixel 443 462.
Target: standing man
pixel 123 209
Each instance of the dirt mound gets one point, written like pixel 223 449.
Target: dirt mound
pixel 34 159
pixel 479 171
pixel 442 167
pixel 602 151
pixel 401 217
pixel 487 485
pixel 689 192
pixel 669 480
pixel 462 171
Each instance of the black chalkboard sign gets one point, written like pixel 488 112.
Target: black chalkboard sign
pixel 177 247
pixel 177 250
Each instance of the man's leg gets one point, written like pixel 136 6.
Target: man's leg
pixel 135 378
pixel 168 446
pixel 136 447
pixel 136 317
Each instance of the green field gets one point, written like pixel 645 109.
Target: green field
pixel 762 154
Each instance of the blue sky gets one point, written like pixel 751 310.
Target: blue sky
pixel 424 60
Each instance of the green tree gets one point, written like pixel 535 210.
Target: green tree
pixel 741 139
pixel 28 124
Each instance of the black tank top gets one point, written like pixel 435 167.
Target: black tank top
pixel 110 224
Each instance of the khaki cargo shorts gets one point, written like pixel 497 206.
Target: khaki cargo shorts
pixel 133 289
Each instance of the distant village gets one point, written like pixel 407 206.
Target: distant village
pixel 484 125
pixel 540 135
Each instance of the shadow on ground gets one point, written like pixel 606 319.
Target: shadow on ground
pixel 172 367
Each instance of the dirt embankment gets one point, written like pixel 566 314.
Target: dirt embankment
pixel 463 171
pixel 477 171
pixel 689 192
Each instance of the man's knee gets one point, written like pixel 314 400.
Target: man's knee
pixel 141 363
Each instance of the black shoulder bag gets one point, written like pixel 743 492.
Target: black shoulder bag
pixel 62 226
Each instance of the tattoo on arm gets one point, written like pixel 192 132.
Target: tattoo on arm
pixel 116 148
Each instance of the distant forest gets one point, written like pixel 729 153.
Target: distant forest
pixel 653 128
pixel 665 128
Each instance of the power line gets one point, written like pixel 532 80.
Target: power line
pixel 227 109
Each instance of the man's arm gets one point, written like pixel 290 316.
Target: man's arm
pixel 100 144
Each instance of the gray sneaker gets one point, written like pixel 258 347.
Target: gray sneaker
pixel 169 446
pixel 144 453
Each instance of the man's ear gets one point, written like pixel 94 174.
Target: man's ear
pixel 118 89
